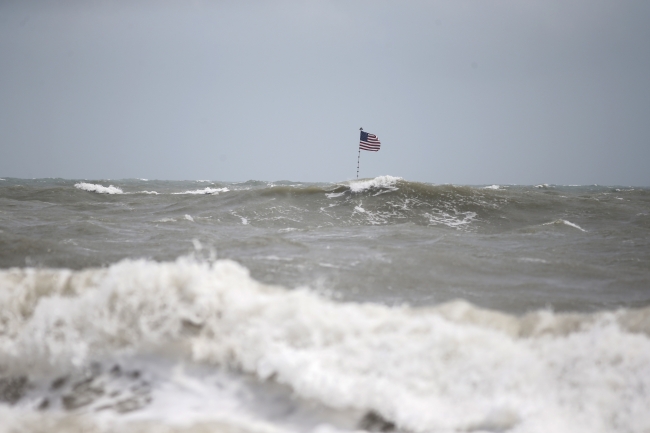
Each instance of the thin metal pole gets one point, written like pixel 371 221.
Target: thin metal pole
pixel 358 158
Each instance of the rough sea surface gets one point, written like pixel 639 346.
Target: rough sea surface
pixel 375 304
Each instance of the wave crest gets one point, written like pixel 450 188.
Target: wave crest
pixel 422 369
pixel 205 191
pixel 100 189
pixel 381 182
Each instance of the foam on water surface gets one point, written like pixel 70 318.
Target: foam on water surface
pixel 204 191
pixel 100 189
pixel 381 182
pixel 451 368
pixel 566 223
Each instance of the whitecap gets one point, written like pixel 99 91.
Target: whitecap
pixel 565 222
pixel 189 217
pixel 100 189
pixel 144 192
pixel 531 260
pixel 457 220
pixel 454 367
pixel 205 191
pixel 244 220
pixel 165 220
pixel 381 182
pixel 276 258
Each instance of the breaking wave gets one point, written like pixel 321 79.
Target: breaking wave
pixel 451 368
pixel 100 189
pixel 567 223
pixel 393 200
pixel 204 191
pixel 382 182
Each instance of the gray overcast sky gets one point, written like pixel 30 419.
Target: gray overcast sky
pixel 462 91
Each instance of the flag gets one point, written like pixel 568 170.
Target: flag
pixel 369 142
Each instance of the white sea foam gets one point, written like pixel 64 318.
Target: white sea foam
pixel 165 220
pixel 334 194
pixel 565 222
pixel 381 182
pixel 492 187
pixel 207 190
pixel 100 189
pixel 244 220
pixel 531 260
pixel 189 217
pixel 451 368
pixel 455 220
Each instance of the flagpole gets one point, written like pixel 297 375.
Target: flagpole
pixel 359 157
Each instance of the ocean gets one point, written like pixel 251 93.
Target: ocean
pixel 366 305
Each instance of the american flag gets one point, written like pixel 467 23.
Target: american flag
pixel 369 142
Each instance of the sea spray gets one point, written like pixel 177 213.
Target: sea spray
pixel 454 367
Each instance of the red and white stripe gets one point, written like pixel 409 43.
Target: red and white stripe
pixel 372 144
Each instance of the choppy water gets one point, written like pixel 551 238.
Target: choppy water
pixel 378 304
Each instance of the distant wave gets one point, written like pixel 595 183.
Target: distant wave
pixel 393 200
pixel 380 200
pixel 204 191
pixel 384 182
pixel 100 189
pixel 567 223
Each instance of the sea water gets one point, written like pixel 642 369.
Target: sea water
pixel 376 304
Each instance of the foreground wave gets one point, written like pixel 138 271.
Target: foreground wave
pixel 199 345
